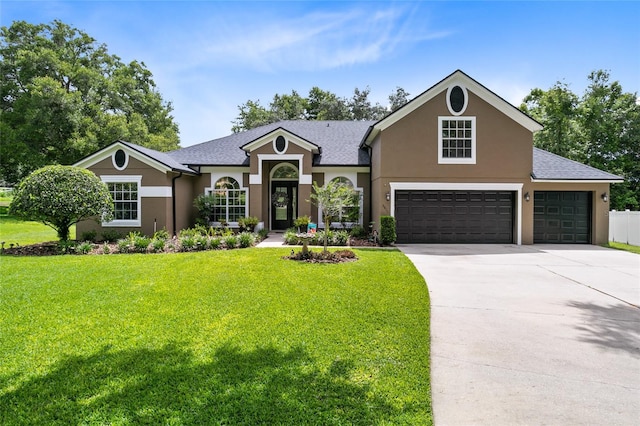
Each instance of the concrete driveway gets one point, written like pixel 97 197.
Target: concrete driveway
pixel 543 334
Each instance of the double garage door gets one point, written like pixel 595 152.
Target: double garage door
pixel 454 216
pixel 431 216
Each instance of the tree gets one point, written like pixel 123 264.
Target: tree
pixel 331 199
pixel 319 105
pixel 557 110
pixel 60 196
pixel 398 99
pixel 610 123
pixel 601 129
pixel 63 96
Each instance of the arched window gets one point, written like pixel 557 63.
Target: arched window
pixel 230 200
pixel 285 171
pixel 350 211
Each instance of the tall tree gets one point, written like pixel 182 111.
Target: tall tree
pixel 601 129
pixel 556 108
pixel 610 122
pixel 63 96
pixel 398 98
pixel 361 107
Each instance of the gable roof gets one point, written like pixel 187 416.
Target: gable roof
pixel 338 144
pixel 550 167
pixel 159 160
pixel 472 85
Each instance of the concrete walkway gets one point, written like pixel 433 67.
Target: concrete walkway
pixel 533 334
pixel 274 239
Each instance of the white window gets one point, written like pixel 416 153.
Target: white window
pixel 125 191
pixel 349 214
pixel 457 140
pixel 230 201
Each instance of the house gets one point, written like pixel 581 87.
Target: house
pixel 455 165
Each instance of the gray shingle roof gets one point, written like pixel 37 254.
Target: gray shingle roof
pixel 548 166
pixel 161 157
pixel 339 141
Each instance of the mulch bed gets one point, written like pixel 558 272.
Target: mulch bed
pixel 322 256
pixel 49 248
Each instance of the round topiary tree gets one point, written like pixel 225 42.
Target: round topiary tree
pixel 60 196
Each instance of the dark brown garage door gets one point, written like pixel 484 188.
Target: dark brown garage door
pixel 454 216
pixel 562 217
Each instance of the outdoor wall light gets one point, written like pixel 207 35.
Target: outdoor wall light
pixel 388 196
pixel 604 197
pixel 526 197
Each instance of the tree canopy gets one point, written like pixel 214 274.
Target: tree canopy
pixel 63 96
pixel 60 196
pixel 601 128
pixel 318 105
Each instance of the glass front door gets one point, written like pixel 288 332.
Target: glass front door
pixel 284 204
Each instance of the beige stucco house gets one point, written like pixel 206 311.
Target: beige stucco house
pixel 454 165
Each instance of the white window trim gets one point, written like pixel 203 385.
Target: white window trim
pixel 449 160
pixel 302 178
pixel 472 186
pixel 125 179
pixel 353 177
pixel 238 176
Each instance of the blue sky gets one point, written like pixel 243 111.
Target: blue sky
pixel 208 57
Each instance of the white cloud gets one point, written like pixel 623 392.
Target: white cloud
pixel 309 42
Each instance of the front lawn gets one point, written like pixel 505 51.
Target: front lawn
pixel 227 337
pixel 24 232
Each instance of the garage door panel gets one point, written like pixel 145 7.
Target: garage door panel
pixel 562 217
pixel 454 216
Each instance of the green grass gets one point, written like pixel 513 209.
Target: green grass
pixel 16 231
pixel 625 247
pixel 231 337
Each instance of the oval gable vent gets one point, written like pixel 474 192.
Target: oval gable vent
pixel 120 159
pixel 281 144
pixel 457 99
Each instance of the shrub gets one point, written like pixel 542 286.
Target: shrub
pixel 248 223
pixel 162 234
pixel 141 243
pixel 341 238
pixel 106 249
pixel 246 239
pixel 290 237
pixel 302 222
pixel 202 242
pixel 60 196
pixel 387 230
pixel 358 232
pixel 111 235
pixel 188 242
pixel 123 246
pixel 205 205
pixel 214 243
pixel 230 241
pixel 84 247
pixel 157 245
pixel 89 236
pixel 66 246
pixel 262 234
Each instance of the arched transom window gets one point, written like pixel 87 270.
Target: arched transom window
pixel 230 200
pixel 285 171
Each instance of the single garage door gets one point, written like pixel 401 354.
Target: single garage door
pixel 562 217
pixel 454 216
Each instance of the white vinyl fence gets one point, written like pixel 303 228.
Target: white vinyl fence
pixel 624 227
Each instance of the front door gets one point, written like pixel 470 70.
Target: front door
pixel 284 204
